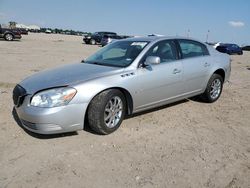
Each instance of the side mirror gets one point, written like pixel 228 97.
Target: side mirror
pixel 152 60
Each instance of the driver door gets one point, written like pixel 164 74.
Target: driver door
pixel 159 83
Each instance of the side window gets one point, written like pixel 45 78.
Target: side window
pixel 191 48
pixel 165 50
pixel 235 46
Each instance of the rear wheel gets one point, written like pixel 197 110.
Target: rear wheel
pixel 8 37
pixel 106 111
pixel 92 41
pixel 214 89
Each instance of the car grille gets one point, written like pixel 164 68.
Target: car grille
pixel 19 94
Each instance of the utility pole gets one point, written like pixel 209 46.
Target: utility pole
pixel 188 33
pixel 208 31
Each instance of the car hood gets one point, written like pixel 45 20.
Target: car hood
pixel 66 75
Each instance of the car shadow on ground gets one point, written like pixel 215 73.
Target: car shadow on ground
pixel 15 40
pixel 36 135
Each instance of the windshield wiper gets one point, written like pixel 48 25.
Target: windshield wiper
pixel 103 64
pixel 98 63
pixel 95 63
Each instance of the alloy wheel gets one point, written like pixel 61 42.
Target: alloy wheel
pixel 8 37
pixel 215 88
pixel 113 112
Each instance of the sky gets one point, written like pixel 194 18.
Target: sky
pixel 221 20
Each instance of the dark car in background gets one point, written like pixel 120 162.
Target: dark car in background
pixel 246 48
pixel 229 49
pixel 106 39
pixel 96 37
pixel 9 34
pixel 23 31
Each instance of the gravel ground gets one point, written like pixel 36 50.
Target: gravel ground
pixel 187 144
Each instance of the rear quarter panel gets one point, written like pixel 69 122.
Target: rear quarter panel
pixel 219 61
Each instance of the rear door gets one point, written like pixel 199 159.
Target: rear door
pixel 196 65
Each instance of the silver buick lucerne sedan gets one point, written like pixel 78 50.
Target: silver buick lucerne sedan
pixel 123 78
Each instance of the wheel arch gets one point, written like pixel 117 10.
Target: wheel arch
pixel 220 72
pixel 129 100
pixel 7 32
pixel 127 95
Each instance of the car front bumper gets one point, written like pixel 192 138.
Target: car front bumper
pixel 55 120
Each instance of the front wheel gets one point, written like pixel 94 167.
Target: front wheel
pixel 214 89
pixel 106 111
pixel 8 37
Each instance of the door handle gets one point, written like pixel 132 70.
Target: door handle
pixel 206 64
pixel 176 71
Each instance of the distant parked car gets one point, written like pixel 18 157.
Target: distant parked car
pixel 128 76
pixel 48 31
pixel 9 34
pixel 246 48
pixel 229 49
pixel 23 31
pixel 96 37
pixel 111 38
pixel 217 44
pixel 106 39
pixel 155 35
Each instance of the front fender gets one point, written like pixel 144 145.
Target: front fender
pixel 88 90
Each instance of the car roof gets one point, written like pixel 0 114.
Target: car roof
pixel 158 38
pixel 227 44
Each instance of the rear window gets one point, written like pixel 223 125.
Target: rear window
pixel 191 48
pixel 221 47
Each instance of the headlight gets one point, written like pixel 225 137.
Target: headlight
pixel 53 97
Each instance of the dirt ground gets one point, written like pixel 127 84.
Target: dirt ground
pixel 188 144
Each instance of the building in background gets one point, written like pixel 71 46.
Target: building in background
pixel 33 28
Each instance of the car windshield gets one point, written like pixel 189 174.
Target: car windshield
pixel 117 54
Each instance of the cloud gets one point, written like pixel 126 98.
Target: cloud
pixel 236 24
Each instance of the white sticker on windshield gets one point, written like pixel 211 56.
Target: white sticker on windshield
pixel 141 44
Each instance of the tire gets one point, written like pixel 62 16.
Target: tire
pixel 106 111
pixel 214 89
pixel 92 42
pixel 8 37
